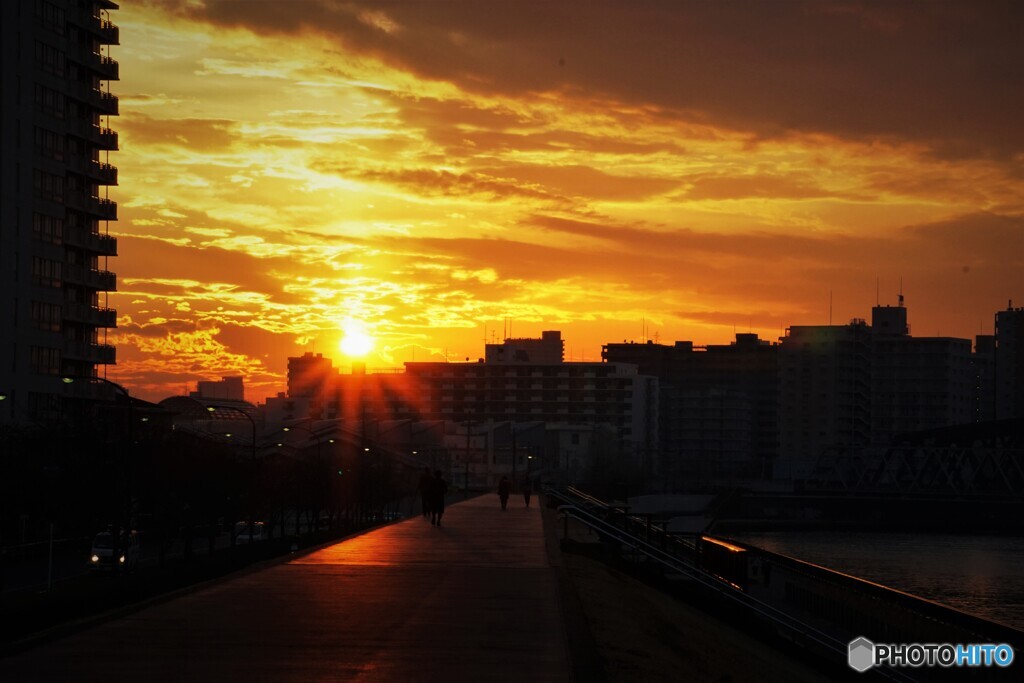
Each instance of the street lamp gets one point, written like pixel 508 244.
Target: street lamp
pixel 126 467
pixel 213 408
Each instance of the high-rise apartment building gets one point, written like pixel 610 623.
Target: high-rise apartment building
pixel 55 70
pixel 824 394
pixel 1009 363
pixel 717 407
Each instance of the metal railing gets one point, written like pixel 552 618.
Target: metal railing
pixel 612 523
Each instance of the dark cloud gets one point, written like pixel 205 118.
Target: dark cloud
pixel 949 74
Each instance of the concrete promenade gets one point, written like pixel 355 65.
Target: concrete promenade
pixel 473 600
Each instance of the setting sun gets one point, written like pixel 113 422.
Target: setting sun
pixel 356 344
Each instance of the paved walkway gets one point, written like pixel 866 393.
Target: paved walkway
pixel 472 600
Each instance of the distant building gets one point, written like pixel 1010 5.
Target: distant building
pixel 571 393
pixel 918 383
pixel 55 67
pixel 527 382
pixel 844 388
pixel 227 388
pixel 824 394
pixel 717 407
pixel 1009 363
pixel 548 349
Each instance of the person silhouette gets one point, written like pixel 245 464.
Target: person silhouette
pixel 527 491
pixel 438 489
pixel 503 489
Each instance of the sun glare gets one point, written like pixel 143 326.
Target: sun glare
pixel 356 344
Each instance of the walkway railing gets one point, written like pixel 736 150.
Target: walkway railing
pixel 682 557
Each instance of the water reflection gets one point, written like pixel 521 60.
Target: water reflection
pixel 983 575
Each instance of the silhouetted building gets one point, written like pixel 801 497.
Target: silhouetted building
pixel 513 389
pixel 548 349
pixel 824 394
pixel 54 211
pixel 227 388
pixel 918 383
pixel 717 408
pixel 1009 363
pixel 983 361
pixel 846 388
pixel 311 377
pixel 572 393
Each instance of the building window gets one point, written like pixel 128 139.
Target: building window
pixel 48 186
pixel 48 144
pixel 46 273
pixel 46 316
pixel 45 361
pixel 50 16
pixel 49 59
pixel 49 101
pixel 49 229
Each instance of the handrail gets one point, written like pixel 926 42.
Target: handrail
pixel 721 587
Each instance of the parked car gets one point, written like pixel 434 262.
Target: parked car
pixel 243 534
pixel 105 557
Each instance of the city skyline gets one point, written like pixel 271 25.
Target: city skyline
pixel 680 170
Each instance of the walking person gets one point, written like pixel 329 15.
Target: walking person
pixel 438 489
pixel 426 481
pixel 527 491
pixel 503 490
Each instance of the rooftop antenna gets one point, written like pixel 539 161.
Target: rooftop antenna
pixel 878 299
pixel 901 291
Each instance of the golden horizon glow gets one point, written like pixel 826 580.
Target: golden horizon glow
pixel 438 182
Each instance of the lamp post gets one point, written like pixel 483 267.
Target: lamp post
pixel 213 408
pixel 125 466
pixel 319 459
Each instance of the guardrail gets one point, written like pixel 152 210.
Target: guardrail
pixel 612 523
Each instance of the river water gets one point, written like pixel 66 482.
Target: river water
pixel 983 575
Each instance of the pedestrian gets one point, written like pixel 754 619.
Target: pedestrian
pixel 426 481
pixel 438 488
pixel 503 489
pixel 527 491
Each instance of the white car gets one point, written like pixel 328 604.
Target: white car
pixel 105 557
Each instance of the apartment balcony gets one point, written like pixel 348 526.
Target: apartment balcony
pixel 103 209
pixel 99 172
pixel 107 103
pixel 100 354
pixel 106 67
pixel 99 280
pixel 97 136
pixel 103 173
pixel 90 315
pixel 107 32
pixel 103 102
pixel 101 245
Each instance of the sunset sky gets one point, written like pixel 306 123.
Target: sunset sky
pixel 424 171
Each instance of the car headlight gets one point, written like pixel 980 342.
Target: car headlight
pixel 121 559
pixel 95 558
